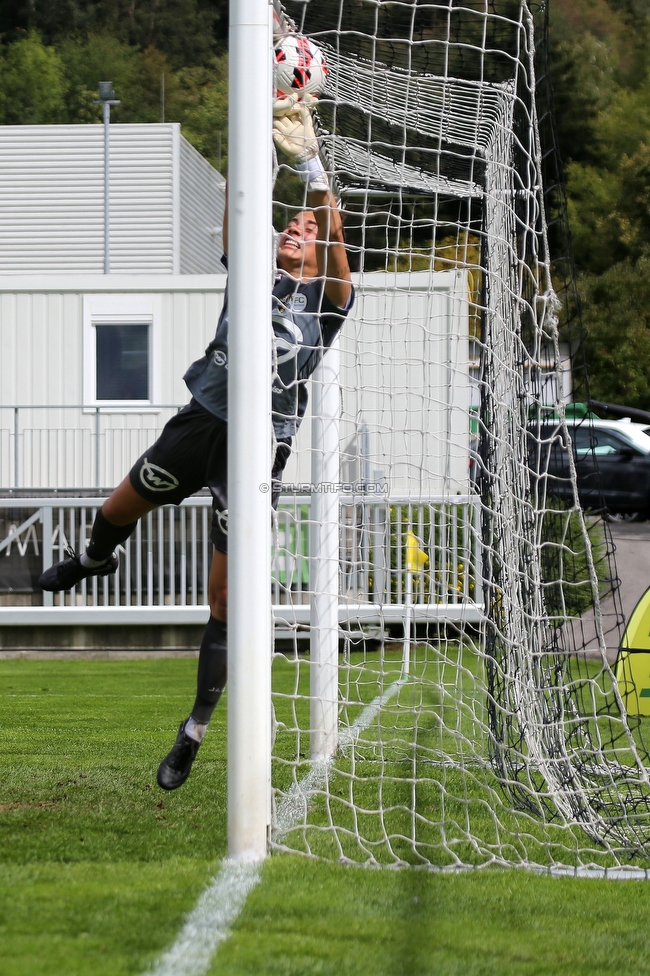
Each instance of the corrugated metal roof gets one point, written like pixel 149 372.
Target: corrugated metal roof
pixel 202 198
pixel 52 200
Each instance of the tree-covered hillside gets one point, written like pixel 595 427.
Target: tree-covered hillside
pixel 53 53
pixel 600 61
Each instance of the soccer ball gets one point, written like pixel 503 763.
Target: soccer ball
pixel 299 66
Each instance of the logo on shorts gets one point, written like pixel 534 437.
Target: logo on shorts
pixel 221 519
pixel 155 478
pixel 219 358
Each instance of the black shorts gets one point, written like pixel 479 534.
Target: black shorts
pixel 190 454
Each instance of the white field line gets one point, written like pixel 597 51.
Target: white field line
pixel 210 921
pixel 293 807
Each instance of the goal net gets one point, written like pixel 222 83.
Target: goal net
pixel 447 687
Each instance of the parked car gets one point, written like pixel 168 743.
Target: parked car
pixel 612 460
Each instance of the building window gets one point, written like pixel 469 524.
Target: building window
pixel 122 362
pixel 121 351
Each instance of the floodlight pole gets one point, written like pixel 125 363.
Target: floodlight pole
pixel 106 99
pixel 249 434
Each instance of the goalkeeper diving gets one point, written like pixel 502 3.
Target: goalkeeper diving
pixel 311 296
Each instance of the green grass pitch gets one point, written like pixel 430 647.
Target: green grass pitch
pixel 98 867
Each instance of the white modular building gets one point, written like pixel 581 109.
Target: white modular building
pixel 92 367
pixel 92 363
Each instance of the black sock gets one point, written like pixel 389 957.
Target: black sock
pixel 213 670
pixel 105 536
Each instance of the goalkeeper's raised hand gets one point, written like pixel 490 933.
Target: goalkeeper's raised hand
pixel 293 130
pixel 294 135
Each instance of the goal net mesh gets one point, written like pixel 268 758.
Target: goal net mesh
pixel 483 713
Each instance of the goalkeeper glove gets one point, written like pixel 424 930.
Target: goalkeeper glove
pixel 293 133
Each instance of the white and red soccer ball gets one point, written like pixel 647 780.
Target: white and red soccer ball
pixel 299 67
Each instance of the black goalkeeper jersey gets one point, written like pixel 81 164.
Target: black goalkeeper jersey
pixel 305 324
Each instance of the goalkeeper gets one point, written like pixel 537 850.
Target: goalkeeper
pixel 310 298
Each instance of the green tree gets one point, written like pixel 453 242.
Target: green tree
pixel 32 83
pixel 202 108
pixel 617 320
pixel 609 203
pixel 14 18
pixel 593 196
pixel 188 32
pixel 584 83
pixel 634 176
pixel 135 74
pixel 599 57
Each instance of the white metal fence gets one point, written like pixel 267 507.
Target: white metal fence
pixel 165 565
pixel 74 446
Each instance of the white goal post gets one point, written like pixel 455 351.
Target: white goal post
pixel 249 441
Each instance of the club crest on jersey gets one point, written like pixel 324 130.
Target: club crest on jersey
pixel 155 478
pixel 297 302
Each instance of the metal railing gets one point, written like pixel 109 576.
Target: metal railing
pixel 165 565
pixel 75 446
